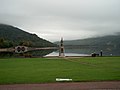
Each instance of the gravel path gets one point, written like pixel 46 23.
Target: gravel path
pixel 111 85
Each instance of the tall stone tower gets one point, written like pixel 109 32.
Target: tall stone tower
pixel 61 49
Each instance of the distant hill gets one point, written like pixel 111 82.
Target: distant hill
pixel 106 40
pixel 17 36
pixel 109 44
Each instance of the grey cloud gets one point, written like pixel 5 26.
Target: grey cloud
pixel 72 19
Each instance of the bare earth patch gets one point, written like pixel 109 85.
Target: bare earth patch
pixel 106 85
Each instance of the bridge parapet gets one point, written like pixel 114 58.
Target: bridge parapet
pixel 7 50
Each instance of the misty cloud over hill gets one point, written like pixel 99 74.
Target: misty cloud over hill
pixel 71 19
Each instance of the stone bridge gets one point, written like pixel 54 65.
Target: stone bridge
pixel 23 49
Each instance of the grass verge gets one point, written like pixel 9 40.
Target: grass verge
pixel 45 70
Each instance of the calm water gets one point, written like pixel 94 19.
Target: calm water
pixel 67 54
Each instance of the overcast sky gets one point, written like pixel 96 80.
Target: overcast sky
pixel 70 19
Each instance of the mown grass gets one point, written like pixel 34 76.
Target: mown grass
pixel 45 70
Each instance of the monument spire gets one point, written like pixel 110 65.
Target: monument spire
pixel 61 49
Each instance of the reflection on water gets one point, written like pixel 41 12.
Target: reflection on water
pixel 36 53
pixel 67 54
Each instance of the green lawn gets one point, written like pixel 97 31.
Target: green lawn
pixel 42 70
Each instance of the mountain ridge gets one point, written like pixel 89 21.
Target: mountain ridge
pixel 92 41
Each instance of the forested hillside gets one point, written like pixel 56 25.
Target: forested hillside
pixel 12 36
